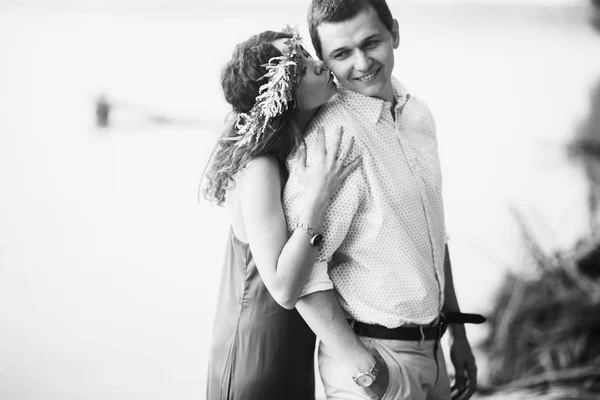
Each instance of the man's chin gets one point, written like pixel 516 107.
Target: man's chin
pixel 367 90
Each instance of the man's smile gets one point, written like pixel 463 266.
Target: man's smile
pixel 368 77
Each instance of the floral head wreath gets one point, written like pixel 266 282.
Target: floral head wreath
pixel 277 95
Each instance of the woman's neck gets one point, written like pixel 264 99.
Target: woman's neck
pixel 304 117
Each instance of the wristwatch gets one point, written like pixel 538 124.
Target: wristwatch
pixel 366 379
pixel 316 239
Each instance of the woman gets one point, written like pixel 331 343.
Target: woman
pixel 262 349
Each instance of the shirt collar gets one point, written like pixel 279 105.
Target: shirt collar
pixel 371 107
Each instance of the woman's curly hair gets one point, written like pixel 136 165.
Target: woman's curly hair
pixel 240 79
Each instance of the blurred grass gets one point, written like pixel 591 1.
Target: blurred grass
pixel 544 339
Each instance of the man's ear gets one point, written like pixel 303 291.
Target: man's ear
pixel 395 34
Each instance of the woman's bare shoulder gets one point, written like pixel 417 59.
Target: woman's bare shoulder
pixel 260 171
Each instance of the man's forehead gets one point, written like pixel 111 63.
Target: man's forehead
pixel 334 35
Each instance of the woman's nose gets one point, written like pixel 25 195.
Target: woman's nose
pixel 320 67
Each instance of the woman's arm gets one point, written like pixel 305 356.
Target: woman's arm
pixel 285 263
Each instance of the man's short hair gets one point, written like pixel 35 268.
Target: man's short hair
pixel 322 11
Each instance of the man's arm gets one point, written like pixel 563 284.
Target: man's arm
pixel 450 300
pixel 460 349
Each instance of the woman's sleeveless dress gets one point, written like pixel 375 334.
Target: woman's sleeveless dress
pixel 260 350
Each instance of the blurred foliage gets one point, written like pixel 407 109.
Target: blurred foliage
pixel 544 340
pixel 595 19
pixel 585 149
pixel 545 328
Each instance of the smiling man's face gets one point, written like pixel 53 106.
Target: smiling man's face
pixel 360 53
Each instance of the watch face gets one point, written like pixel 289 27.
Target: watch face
pixel 364 380
pixel 316 240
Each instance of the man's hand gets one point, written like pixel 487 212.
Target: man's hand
pixel 380 385
pixel 464 365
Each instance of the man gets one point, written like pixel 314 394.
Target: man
pixel 384 257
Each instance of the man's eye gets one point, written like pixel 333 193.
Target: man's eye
pixel 371 43
pixel 341 55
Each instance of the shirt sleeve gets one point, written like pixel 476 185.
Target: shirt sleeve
pixel 338 217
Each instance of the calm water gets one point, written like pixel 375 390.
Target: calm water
pixel 108 264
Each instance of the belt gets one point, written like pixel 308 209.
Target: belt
pixel 416 333
pixel 401 333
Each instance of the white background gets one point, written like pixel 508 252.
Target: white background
pixel 109 265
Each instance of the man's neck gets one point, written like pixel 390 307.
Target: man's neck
pixel 388 94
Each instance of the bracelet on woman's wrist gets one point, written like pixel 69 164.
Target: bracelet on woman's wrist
pixel 316 239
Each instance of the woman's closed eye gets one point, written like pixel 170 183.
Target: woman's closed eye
pixel 304 53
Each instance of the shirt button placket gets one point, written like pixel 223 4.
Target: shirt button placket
pixel 434 257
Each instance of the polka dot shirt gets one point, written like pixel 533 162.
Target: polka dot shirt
pixel 384 229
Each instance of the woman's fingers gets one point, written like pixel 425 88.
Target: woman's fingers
pixel 302 157
pixel 327 170
pixel 347 170
pixel 346 150
pixel 320 145
pixel 335 144
pixel 328 163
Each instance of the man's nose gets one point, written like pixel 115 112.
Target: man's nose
pixel 362 61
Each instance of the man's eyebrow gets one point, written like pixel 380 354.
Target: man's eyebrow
pixel 362 42
pixel 373 36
